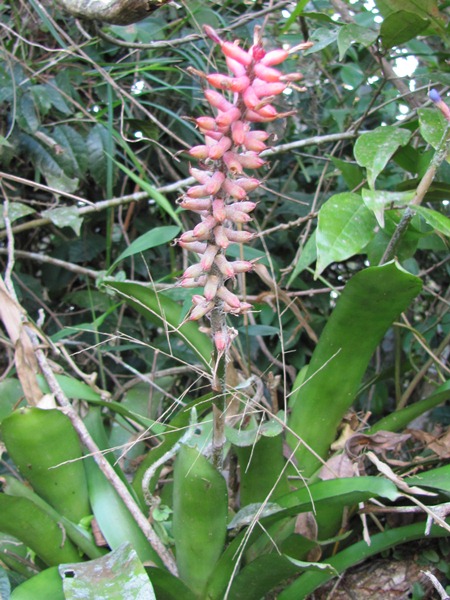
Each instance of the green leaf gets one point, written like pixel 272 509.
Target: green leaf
pixel 322 38
pixel 27 115
pixel 437 479
pixel 352 33
pixel 98 144
pixel 374 149
pixel 46 584
pixel 165 313
pixel 400 27
pixel 66 216
pixel 72 156
pixel 167 586
pixel 46 449
pixel 425 9
pixel 24 520
pixel 113 518
pixel 345 227
pixel 369 304
pixel 78 535
pixel 298 10
pixel 159 198
pixel 119 575
pixel 157 236
pixel 44 159
pixel 433 126
pixel 261 330
pixel 378 201
pixel 200 508
pixel 438 221
pixel 259 577
pixel 353 174
pixel 398 420
pixel 260 468
pixel 16 210
pixel 304 585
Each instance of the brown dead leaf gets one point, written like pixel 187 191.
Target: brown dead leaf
pixel 12 315
pixel 339 465
pixel 381 441
pixel 440 445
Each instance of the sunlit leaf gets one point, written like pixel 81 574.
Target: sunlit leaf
pixel 345 227
pixel 66 216
pixel 374 149
pixel 119 575
pixel 438 221
pixel 353 33
pixel 377 201
pixel 16 210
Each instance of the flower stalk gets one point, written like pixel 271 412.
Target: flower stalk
pixel 240 100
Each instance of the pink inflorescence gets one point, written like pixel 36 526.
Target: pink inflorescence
pixel 231 148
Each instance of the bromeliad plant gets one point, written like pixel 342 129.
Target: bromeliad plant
pixel 191 532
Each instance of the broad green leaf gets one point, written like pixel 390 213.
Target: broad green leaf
pixel 46 450
pixel 304 585
pixel 66 216
pixel 378 201
pixel 425 9
pixel 437 479
pixel 72 155
pixel 165 313
pixel 155 237
pixel 344 227
pixel 98 144
pixel 79 536
pixel 259 577
pixel 367 307
pixel 433 126
pixel 374 149
pixel 27 115
pixel 113 517
pixel 119 575
pixel 24 520
pixel 351 34
pixel 438 221
pixel 16 210
pixel 400 27
pixel 200 508
pixel 322 38
pixel 336 492
pixel 46 584
pixel 261 465
pixel 167 586
pixel 353 174
pixel 45 159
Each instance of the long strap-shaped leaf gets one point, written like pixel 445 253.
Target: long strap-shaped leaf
pixel 368 306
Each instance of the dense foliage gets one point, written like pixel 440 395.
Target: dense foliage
pixel 343 358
